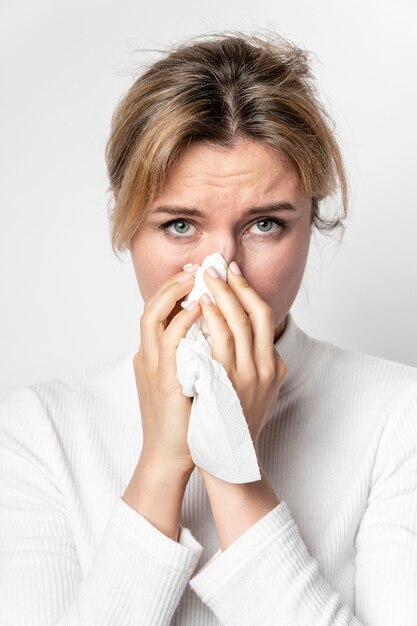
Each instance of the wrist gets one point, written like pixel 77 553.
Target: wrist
pixel 156 491
pixel 207 476
pixel 159 466
pixel 237 507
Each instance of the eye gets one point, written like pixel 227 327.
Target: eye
pixel 181 227
pixel 177 234
pixel 269 231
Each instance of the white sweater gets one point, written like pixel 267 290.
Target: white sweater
pixel 339 549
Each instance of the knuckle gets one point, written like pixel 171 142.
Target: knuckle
pixel 243 320
pixel 138 358
pixel 268 372
pixel 281 367
pixel 244 283
pixel 144 318
pixel 228 340
pixel 147 305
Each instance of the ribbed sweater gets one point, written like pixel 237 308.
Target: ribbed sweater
pixel 340 548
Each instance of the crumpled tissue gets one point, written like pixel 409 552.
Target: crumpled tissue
pixel 218 435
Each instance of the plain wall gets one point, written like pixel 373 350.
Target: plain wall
pixel 67 303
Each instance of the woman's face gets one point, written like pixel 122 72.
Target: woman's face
pixel 208 205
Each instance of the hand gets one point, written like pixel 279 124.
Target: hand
pixel 165 410
pixel 241 326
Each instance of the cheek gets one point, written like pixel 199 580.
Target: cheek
pixel 152 270
pixel 272 280
pixel 278 279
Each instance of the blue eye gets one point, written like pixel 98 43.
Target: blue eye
pixel 265 220
pixel 184 223
pixel 176 223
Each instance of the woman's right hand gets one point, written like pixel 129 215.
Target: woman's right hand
pixel 165 410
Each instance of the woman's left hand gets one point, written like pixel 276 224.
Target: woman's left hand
pixel 241 326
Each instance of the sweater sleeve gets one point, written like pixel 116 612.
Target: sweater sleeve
pixel 137 575
pixel 267 576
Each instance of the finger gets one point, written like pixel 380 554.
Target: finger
pixel 171 338
pixel 223 341
pixel 171 280
pixel 262 320
pixel 157 310
pixel 237 321
pixel 281 368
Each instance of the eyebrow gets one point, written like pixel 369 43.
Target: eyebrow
pixel 177 210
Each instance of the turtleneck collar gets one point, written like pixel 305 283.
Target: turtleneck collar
pixel 299 351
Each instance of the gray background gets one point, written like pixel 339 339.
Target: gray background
pixel 67 303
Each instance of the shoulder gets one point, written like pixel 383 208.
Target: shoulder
pixel 69 398
pixel 370 400
pixel 371 384
pixel 368 370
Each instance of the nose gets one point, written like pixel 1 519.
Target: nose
pixel 227 247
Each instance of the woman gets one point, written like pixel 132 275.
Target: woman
pixel 220 146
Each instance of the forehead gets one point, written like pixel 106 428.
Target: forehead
pixel 249 172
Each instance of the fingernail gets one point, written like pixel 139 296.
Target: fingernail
pixel 212 272
pixel 191 305
pixel 205 298
pixel 235 268
pixel 184 277
pixel 191 267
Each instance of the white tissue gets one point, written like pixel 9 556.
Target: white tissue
pixel 218 435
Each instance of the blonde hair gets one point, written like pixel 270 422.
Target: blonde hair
pixel 219 89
